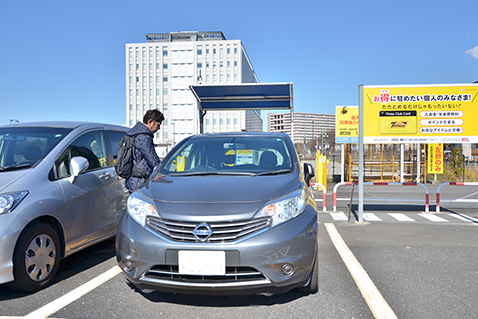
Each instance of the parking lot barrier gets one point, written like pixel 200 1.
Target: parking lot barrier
pixel 450 184
pixel 427 195
pixel 324 194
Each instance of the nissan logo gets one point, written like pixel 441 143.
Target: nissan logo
pixel 202 232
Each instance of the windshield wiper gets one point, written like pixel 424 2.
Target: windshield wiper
pixel 213 173
pixel 277 172
pixel 14 167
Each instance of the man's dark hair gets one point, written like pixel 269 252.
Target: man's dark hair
pixel 154 115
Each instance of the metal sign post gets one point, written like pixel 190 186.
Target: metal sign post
pixel 360 177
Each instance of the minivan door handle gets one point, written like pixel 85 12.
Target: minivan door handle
pixel 105 176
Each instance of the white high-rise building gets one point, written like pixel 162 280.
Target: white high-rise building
pixel 158 75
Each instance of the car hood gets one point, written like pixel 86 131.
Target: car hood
pixel 214 198
pixel 9 177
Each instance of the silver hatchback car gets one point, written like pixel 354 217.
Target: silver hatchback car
pixel 59 193
pixel 228 213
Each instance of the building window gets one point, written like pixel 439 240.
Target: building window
pixel 165 53
pixel 165 66
pixel 199 52
pixel 165 79
pixel 199 65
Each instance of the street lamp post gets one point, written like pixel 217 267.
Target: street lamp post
pixel 174 133
pixel 304 136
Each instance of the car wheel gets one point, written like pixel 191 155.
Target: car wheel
pixel 36 258
pixel 313 286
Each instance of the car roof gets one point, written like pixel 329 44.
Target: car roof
pixel 63 124
pixel 249 134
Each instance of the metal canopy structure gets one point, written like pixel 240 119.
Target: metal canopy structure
pixel 244 96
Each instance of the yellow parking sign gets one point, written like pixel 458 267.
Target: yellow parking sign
pixel 420 114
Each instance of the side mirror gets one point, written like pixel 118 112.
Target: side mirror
pixel 78 165
pixel 308 172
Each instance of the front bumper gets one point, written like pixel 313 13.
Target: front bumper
pixel 255 265
pixel 11 225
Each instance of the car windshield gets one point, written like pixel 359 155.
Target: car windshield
pixel 229 155
pixel 22 147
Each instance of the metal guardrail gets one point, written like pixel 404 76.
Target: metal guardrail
pixel 427 196
pixel 324 194
pixel 450 184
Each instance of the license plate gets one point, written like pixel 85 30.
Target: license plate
pixel 193 262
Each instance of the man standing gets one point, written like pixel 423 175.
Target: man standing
pixel 145 157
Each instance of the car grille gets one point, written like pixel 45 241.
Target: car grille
pixel 222 232
pixel 233 275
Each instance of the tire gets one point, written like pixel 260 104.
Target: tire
pixel 36 258
pixel 312 286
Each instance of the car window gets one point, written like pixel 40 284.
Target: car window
pixel 115 139
pixel 25 146
pixel 62 165
pixel 92 147
pixel 229 155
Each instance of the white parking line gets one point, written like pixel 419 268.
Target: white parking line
pixel 464 217
pixel 401 217
pixel 377 304
pixel 338 216
pixel 371 217
pixel 73 295
pixel 433 218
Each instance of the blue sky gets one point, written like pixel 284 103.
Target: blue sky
pixel 65 60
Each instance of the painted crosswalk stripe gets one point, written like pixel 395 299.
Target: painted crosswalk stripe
pixel 463 217
pixel 338 216
pixel 433 218
pixel 401 217
pixel 371 217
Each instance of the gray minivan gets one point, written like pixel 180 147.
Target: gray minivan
pixel 59 193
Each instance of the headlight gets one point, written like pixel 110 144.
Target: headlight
pixel 139 209
pixel 9 201
pixel 284 208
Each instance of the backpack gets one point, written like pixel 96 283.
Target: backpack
pixel 124 161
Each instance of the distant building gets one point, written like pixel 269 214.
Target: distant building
pixel 308 125
pixel 159 72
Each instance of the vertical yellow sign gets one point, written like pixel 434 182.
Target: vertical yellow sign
pixel 180 163
pixel 435 158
